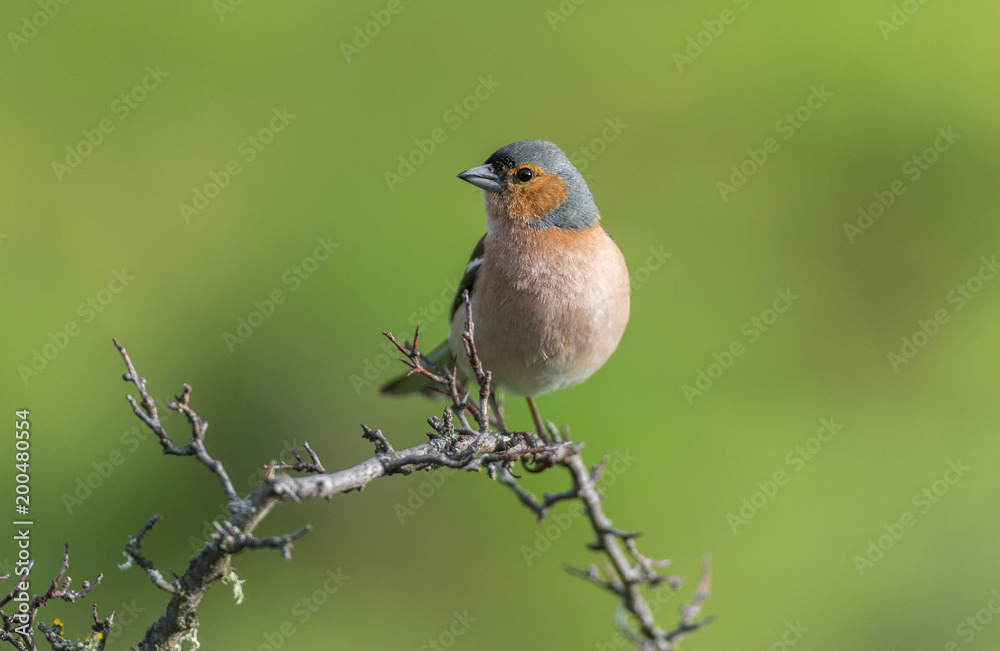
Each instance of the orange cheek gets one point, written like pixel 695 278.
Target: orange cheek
pixel 531 201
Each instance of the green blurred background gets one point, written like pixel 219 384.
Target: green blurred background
pixel 849 98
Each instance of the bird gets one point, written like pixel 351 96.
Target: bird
pixel 548 287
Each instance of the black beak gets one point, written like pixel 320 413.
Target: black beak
pixel 482 177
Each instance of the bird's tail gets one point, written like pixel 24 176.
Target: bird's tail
pixel 441 356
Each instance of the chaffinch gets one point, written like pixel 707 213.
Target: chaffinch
pixel 548 287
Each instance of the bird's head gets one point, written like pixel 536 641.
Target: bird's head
pixel 533 183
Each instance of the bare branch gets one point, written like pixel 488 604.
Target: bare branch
pixel 59 588
pixel 453 443
pixel 147 412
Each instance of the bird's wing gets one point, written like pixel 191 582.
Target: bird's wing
pixel 471 273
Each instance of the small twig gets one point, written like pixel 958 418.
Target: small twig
pixel 692 610
pixel 146 411
pixel 300 465
pixel 198 449
pixel 484 378
pixel 382 444
pixel 59 588
pixel 594 576
pixel 134 555
pixel 540 508
pixel 102 627
pixel 418 362
pixel 235 541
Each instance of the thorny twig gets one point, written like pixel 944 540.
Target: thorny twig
pixel 455 442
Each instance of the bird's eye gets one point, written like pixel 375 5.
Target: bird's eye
pixel 525 174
